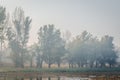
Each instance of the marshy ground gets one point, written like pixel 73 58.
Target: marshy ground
pixel 63 74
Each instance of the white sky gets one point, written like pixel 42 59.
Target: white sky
pixel 99 17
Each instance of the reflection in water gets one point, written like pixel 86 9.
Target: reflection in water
pixel 40 78
pixel 62 78
pixel 58 78
pixel 49 78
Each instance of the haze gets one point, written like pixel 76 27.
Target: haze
pixel 99 17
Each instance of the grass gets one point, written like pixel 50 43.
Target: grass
pixel 57 70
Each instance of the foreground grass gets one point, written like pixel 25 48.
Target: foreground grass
pixel 58 70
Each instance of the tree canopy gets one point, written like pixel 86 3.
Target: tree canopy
pixel 84 50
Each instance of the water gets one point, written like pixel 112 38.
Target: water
pixel 113 77
pixel 44 78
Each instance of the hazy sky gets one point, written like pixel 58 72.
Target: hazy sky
pixel 99 17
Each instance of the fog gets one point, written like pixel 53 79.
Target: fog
pixel 77 33
pixel 100 17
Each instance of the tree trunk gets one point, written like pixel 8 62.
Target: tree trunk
pixel 1 44
pixel 102 65
pixel 49 65
pixel 91 64
pixel 31 63
pixel 49 78
pixel 41 64
pixel 96 65
pixel 72 65
pixel 37 64
pixel 78 65
pixel 58 78
pixel 69 65
pixel 110 65
pixel 17 62
pixel 22 64
pixel 58 64
pixel 22 61
pixel 1 52
pixel 82 65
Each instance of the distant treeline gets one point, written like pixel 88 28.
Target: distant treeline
pixel 84 50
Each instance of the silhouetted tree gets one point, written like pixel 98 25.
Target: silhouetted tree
pixel 59 47
pixel 21 36
pixel 108 53
pixel 4 18
pixel 52 45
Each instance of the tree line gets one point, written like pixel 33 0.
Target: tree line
pixel 84 50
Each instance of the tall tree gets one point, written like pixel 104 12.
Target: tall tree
pixel 108 53
pixel 4 18
pixel 59 47
pixel 51 43
pixel 32 53
pixel 84 50
pixel 19 42
pixel 39 56
pixel 78 49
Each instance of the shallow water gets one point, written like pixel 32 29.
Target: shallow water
pixel 44 78
pixel 62 78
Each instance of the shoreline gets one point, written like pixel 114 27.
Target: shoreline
pixel 44 72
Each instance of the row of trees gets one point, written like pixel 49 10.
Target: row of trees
pixel 82 51
pixel 88 51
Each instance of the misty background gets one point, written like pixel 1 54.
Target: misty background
pixel 99 17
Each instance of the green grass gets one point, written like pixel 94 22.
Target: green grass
pixel 60 70
pixel 57 70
